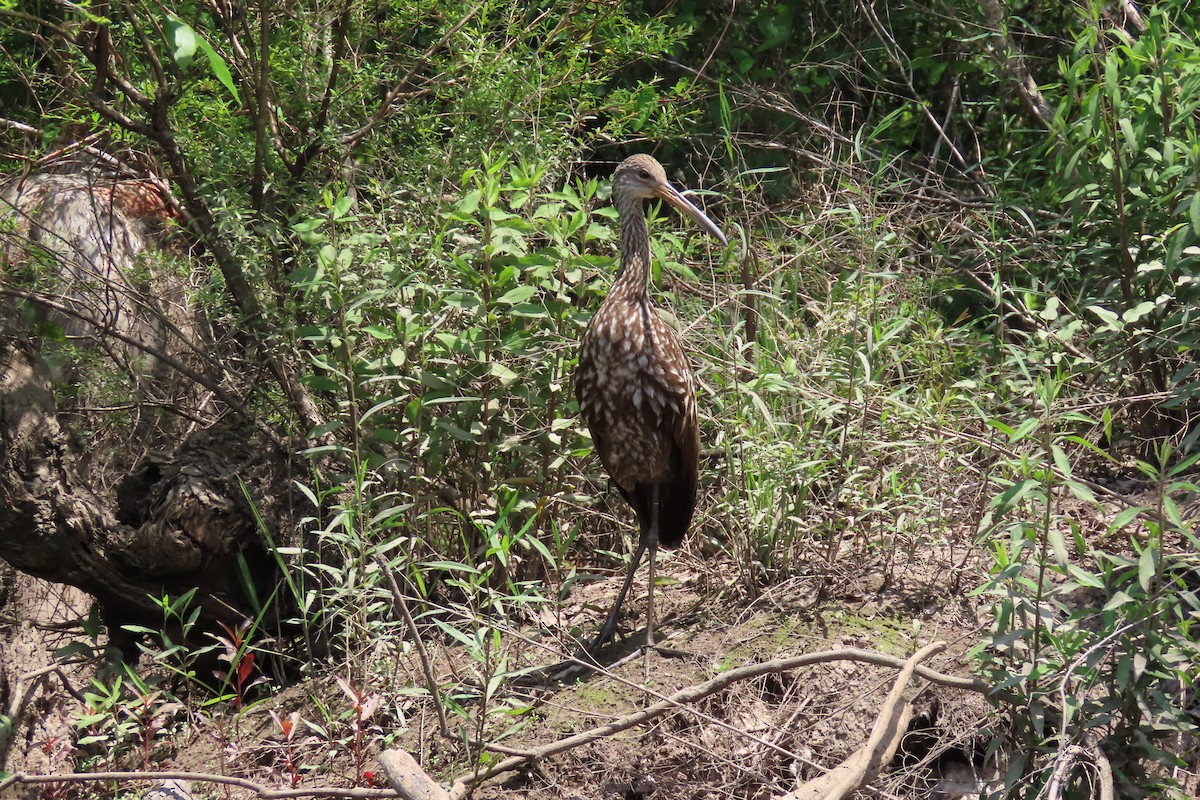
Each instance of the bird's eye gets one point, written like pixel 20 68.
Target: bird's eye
pixel 645 174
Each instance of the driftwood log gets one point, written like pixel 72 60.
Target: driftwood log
pixel 150 494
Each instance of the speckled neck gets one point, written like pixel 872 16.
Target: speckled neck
pixel 633 279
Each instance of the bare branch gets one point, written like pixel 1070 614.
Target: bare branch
pixel 220 391
pixel 21 127
pixel 1004 49
pixel 36 20
pixel 259 789
pixel 893 51
pixel 890 725
pixel 694 694
pixel 400 90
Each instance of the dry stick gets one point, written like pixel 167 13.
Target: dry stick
pixel 426 667
pixel 1104 773
pixel 1062 770
pixel 201 777
pixel 700 691
pixel 1064 766
pixel 27 684
pixel 861 768
pixel 411 782
pixel 1133 16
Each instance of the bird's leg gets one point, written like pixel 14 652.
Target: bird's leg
pixel 651 542
pixel 610 624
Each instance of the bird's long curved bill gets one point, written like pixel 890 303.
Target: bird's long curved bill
pixel 671 195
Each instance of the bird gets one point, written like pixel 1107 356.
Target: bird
pixel 635 391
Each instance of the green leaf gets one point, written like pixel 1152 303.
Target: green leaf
pixel 320 383
pixel 455 633
pixel 1013 495
pixel 1081 491
pixel 1184 465
pixel 520 294
pixel 1127 132
pixel 470 202
pixel 1171 510
pixel 1126 516
pixel 381 332
pixel 186 41
pixel 1051 311
pixel 450 566
pixel 1137 312
pixel 596 231
pixel 503 373
pixel 182 40
pixel 1147 568
pixel 1060 460
pixel 1059 546
pixel 1085 578
pixel 1108 319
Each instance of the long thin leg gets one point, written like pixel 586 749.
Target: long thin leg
pixel 610 624
pixel 652 542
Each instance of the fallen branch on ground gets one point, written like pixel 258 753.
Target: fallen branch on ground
pixel 411 783
pixel 861 768
pixel 264 792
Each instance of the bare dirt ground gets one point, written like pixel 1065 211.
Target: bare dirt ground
pixel 753 739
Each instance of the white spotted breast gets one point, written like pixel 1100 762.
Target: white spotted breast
pixel 635 391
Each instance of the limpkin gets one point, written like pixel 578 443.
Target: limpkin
pixel 635 390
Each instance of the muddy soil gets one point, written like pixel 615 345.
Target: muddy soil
pixel 754 739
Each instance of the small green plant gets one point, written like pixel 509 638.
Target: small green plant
pixel 127 714
pixel 60 757
pixel 170 645
pixel 237 654
pixel 289 726
pixel 1089 648
pixel 1124 164
pixel 363 706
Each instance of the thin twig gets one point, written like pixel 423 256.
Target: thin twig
pixel 700 691
pixel 262 791
pixel 397 92
pixel 26 685
pixel 232 402
pixel 422 655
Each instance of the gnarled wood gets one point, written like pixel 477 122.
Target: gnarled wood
pixel 154 504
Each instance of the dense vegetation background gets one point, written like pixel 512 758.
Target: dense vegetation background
pixel 959 307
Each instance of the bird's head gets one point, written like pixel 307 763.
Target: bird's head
pixel 641 177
